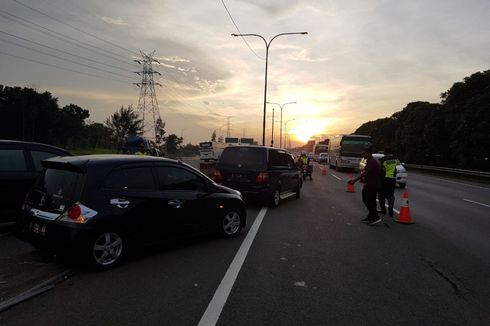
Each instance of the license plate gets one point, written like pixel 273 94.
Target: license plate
pixel 238 176
pixel 38 228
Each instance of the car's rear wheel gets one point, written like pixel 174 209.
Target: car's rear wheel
pixel 107 249
pixel 231 223
pixel 276 198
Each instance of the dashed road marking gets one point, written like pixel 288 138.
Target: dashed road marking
pixel 336 177
pixel 475 202
pixel 215 307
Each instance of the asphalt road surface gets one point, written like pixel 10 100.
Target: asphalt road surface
pixel 310 262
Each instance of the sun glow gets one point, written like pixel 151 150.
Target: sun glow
pixel 303 131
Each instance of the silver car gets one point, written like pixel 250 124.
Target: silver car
pixel 401 172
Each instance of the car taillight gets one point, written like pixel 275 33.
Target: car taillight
pixel 75 213
pixel 217 176
pixel 262 177
pixel 78 213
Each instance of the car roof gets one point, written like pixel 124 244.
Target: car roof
pixel 31 145
pixel 103 158
pixel 258 146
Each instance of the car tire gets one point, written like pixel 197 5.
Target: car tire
pixel 106 249
pixel 402 185
pixel 231 223
pixel 297 192
pixel 275 198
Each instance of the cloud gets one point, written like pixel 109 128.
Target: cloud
pixel 114 21
pixel 173 58
pixel 303 55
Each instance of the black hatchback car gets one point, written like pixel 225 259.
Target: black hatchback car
pixel 267 173
pixel 98 205
pixel 20 165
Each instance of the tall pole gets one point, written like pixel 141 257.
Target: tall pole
pixel 282 107
pixel 267 44
pixel 272 137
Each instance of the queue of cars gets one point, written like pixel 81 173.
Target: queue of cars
pixel 95 207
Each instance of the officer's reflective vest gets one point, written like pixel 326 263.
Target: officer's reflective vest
pixel 305 160
pixel 389 166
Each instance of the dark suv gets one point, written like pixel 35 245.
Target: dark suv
pixel 20 165
pixel 266 173
pixel 98 205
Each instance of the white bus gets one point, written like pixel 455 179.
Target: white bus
pixel 210 151
pixel 345 151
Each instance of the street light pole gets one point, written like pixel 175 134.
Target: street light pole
pixel 281 106
pixel 272 136
pixel 267 44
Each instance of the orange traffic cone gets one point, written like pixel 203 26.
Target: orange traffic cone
pixel 350 186
pixel 404 216
pixel 323 169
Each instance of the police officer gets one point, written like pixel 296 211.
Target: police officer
pixel 388 182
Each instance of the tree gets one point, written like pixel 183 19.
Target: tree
pixel 123 123
pixel 28 115
pixel 213 136
pixel 98 135
pixel 172 143
pixel 160 131
pixel 70 124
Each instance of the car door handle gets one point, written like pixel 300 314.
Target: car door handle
pixel 175 203
pixel 119 202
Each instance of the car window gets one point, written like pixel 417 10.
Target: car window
pixel 12 160
pixel 175 178
pixel 278 159
pixel 251 158
pixel 138 178
pixel 55 190
pixel 38 156
pixel 290 161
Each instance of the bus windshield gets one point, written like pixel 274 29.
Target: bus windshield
pixel 355 145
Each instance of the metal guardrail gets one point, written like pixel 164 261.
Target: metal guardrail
pixel 450 170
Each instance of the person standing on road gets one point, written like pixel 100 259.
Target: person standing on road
pixel 388 182
pixel 372 183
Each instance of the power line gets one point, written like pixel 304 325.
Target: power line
pixel 74 27
pixel 64 59
pixel 233 21
pixel 62 68
pixel 62 37
pixel 65 52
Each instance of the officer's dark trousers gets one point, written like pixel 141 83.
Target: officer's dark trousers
pixel 387 191
pixel 369 199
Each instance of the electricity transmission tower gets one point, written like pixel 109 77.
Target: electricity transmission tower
pixel 147 102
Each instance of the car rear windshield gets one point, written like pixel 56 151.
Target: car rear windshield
pixel 246 158
pixel 55 190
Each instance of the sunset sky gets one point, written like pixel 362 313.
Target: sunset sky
pixel 361 59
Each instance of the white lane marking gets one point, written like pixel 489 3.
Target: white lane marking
pixel 475 202
pixel 215 307
pixel 336 177
pixel 456 182
pixel 386 205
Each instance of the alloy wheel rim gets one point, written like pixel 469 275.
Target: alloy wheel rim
pixel 276 197
pixel 107 248
pixel 231 223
